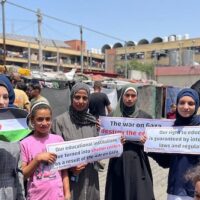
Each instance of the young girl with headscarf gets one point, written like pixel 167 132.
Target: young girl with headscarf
pixel 78 124
pixel 129 177
pixel 178 188
pixel 11 180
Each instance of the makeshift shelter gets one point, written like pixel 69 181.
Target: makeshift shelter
pixel 196 86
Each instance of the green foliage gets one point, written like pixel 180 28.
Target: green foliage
pixel 144 67
pixel 135 65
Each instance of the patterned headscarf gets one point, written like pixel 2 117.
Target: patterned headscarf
pixel 81 117
pixel 192 120
pixel 122 110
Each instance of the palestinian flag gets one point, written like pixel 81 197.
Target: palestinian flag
pixel 13 126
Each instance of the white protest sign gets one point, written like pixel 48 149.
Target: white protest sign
pixel 75 152
pixel 131 128
pixel 179 139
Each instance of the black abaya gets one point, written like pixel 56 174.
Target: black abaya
pixel 129 176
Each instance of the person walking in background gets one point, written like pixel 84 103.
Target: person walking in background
pixel 11 180
pixel 78 124
pixel 21 98
pixel 28 91
pixel 99 102
pixel 36 95
pixel 172 113
pixel 129 177
pixel 43 183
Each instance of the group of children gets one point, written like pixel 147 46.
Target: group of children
pixel 35 162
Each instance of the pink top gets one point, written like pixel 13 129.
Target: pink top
pixel 43 184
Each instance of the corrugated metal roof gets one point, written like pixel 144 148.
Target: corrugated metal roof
pixel 47 42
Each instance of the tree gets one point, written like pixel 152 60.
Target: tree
pixel 135 65
pixel 144 67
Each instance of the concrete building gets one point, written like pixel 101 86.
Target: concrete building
pixel 23 51
pixel 176 58
pixel 182 76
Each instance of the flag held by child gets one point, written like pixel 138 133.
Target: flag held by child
pixel 13 126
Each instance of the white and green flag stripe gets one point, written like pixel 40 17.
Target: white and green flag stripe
pixel 13 126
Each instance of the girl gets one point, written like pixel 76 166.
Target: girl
pixel 11 180
pixel 77 124
pixel 187 106
pixel 43 184
pixel 129 177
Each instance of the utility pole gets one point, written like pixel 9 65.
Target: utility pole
pixel 193 52
pixel 57 56
pixel 126 63
pixel 39 16
pixel 81 35
pixel 12 27
pixel 58 59
pixel 4 33
pixel 29 56
pixel 180 54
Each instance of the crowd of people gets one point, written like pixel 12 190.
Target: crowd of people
pixel 25 171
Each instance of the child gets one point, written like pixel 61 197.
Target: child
pixel 172 113
pixel 194 176
pixel 43 184
pixel 11 180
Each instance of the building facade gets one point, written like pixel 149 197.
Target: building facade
pixel 176 59
pixel 23 51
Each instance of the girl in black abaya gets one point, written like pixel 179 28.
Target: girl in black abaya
pixel 129 176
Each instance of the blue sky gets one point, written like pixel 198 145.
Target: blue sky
pixel 124 19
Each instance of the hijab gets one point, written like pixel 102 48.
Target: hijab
pixel 193 119
pixel 7 84
pixel 124 111
pixel 81 117
pixel 10 104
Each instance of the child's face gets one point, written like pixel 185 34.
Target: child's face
pixel 42 121
pixel 197 191
pixel 173 109
pixel 4 97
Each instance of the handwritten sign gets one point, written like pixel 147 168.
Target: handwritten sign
pixel 75 152
pixel 184 140
pixel 131 128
